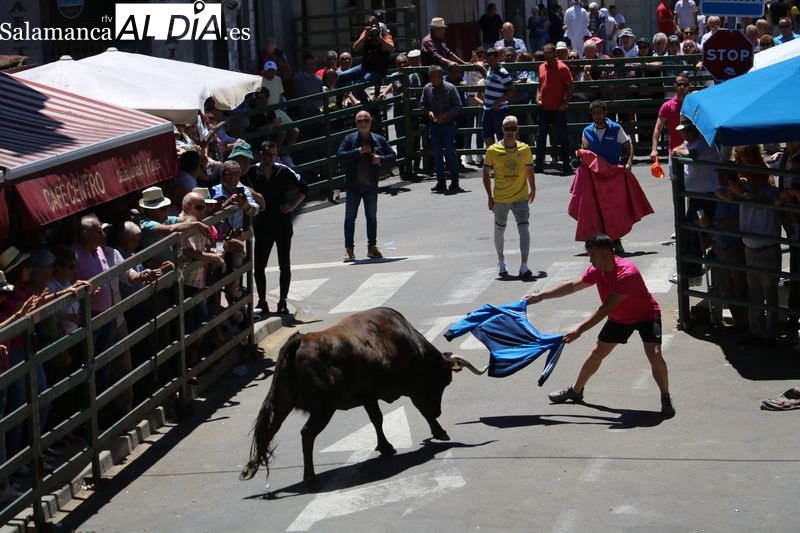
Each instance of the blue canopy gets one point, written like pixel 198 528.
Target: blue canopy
pixel 756 108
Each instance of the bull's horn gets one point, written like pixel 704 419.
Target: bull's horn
pixel 458 361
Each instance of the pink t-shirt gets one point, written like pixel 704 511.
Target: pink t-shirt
pixel 639 304
pixel 671 112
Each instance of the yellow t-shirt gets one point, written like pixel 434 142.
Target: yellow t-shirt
pixel 510 173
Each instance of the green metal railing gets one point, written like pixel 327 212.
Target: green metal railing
pixel 321 134
pixel 685 228
pixel 165 369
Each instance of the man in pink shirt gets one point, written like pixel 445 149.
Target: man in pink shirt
pixel 670 113
pixel 629 306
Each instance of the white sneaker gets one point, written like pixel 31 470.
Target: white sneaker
pixel 502 269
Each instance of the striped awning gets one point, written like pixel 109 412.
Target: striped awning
pixel 61 153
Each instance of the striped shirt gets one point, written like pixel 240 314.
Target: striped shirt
pixel 498 80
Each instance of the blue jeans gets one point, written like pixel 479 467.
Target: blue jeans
pixel 443 137
pixel 356 193
pixel 357 75
pixel 557 118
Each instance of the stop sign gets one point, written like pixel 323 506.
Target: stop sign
pixel 727 54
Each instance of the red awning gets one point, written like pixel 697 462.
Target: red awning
pixel 63 153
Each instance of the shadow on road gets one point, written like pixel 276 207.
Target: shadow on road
pixel 625 419
pixel 219 397
pixel 372 470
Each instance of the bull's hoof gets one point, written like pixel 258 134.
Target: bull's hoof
pixel 441 435
pixel 388 449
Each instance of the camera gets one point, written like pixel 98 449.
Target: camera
pixel 240 190
pixel 574 161
pixel 375 30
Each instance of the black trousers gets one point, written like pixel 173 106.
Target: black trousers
pixel 265 238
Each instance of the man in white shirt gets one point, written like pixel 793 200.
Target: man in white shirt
pixel 685 13
pixel 576 25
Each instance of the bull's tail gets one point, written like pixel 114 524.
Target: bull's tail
pixel 276 407
pixel 459 361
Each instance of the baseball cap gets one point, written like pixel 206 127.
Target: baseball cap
pixel 414 53
pixel 270 65
pixel 561 45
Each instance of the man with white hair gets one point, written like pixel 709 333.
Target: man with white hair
pixel 576 25
pixel 597 21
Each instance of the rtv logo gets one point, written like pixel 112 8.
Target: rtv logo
pixel 198 21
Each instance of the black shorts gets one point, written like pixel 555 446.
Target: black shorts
pixel 616 333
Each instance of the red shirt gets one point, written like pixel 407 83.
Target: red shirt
pixel 671 112
pixel 639 304
pixel 554 80
pixel 666 23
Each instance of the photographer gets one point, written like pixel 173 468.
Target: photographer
pixel 376 45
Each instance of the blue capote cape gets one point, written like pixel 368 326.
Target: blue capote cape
pixel 513 342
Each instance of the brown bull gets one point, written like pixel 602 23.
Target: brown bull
pixel 368 356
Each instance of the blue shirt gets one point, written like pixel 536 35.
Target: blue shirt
pixel 605 142
pixel 513 342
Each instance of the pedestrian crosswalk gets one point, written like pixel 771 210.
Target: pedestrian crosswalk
pixel 458 292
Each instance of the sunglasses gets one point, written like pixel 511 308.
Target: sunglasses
pixel 200 207
pixel 510 128
pixel 681 84
pixel 362 120
pixel 688 33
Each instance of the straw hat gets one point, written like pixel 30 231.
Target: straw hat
pixel 11 258
pixel 203 191
pixel 153 198
pixel 438 22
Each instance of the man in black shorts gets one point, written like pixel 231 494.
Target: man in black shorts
pixel 629 307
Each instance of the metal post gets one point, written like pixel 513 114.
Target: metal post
pixel 679 203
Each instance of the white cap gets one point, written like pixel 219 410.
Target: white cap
pixel 414 53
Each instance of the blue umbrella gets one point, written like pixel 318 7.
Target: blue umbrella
pixel 756 108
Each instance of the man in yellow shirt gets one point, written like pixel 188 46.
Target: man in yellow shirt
pixel 511 163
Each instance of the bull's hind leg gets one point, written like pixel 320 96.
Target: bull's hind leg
pixel 376 417
pixel 317 420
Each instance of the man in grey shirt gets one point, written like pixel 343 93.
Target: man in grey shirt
pixel 441 104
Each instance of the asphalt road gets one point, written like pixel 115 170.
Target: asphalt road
pixel 515 462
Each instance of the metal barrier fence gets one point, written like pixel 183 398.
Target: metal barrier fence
pixel 633 101
pixel 161 374
pixel 686 229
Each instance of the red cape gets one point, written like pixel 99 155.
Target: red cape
pixel 605 198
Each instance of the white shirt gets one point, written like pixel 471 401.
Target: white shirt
pixel 576 19
pixel 686 10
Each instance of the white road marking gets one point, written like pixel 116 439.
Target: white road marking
pixel 561 271
pixel 331 264
pixel 373 292
pixel 439 325
pixel 395 427
pixel 348 501
pixel 657 273
pixel 301 289
pixel 469 287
